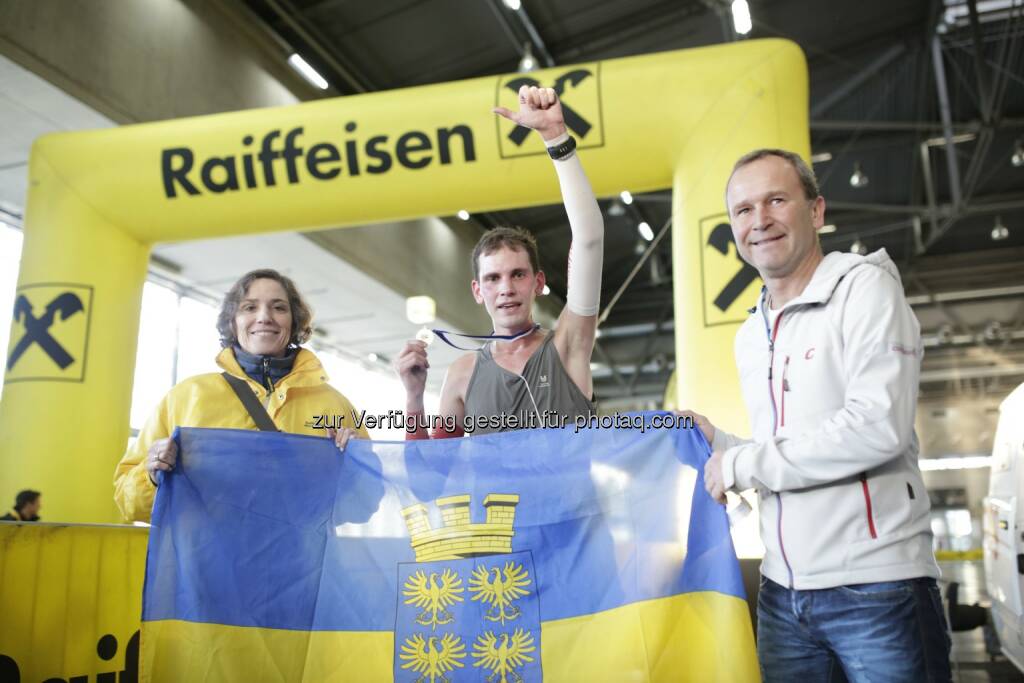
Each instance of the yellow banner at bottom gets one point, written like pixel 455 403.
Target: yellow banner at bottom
pixel 71 601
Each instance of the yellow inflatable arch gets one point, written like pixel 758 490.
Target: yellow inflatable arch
pixel 99 200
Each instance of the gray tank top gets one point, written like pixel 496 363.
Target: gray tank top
pixel 543 396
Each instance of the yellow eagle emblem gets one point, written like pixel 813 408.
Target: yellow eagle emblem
pixel 503 660
pixel 426 593
pixel 423 656
pixel 500 590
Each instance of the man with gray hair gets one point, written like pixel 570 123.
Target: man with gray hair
pixel 829 362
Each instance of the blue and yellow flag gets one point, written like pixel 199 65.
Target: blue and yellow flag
pixel 524 556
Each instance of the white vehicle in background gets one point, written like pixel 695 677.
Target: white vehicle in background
pixel 1003 527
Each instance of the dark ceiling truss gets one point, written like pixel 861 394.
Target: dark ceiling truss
pixel 988 98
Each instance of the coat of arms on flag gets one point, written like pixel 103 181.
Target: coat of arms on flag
pixel 468 602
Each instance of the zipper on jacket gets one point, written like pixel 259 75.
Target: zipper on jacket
pixel 867 504
pixel 268 383
pixel 773 333
pixel 785 388
pixel 771 363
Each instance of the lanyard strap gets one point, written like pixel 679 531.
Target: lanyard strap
pixel 443 336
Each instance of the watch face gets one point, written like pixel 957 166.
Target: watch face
pixel 562 149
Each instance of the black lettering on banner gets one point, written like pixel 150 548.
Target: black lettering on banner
pixel 227 164
pixel 374 151
pixel 250 172
pixel 171 173
pixel 267 156
pixel 184 174
pixel 350 151
pixel 291 153
pixel 320 155
pixel 9 672
pixel 106 649
pixel 444 135
pixel 413 141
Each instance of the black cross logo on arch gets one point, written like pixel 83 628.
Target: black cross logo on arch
pixel 720 239
pixel 37 330
pixel 573 120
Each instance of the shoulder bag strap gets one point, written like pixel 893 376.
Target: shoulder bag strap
pixel 252 404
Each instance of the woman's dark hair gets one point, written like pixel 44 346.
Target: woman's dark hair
pixel 302 316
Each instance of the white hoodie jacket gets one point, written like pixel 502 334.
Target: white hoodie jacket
pixel 830 383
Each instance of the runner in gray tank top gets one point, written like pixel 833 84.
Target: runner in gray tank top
pixel 524 372
pixel 543 395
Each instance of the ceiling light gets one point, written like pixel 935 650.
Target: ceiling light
pixel 513 4
pixel 941 140
pixel 372 357
pixel 546 290
pixel 307 72
pixel 1018 155
pixel 826 229
pixel 858 247
pixel 420 310
pixel 616 208
pixel 626 197
pixel 994 331
pixel 999 231
pixel 967 462
pixel 463 214
pixel 656 275
pixel 821 158
pixel 859 178
pixel 957 13
pixel 645 231
pixel 944 335
pixel 528 62
pixel 741 17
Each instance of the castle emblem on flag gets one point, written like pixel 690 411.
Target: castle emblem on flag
pixel 467 586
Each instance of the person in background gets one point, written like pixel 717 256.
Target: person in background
pixel 27 505
pixel 263 322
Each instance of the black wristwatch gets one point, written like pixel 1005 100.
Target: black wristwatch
pixel 564 150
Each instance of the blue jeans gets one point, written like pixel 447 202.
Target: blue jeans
pixel 888 631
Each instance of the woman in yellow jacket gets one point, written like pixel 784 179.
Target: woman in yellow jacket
pixel 262 322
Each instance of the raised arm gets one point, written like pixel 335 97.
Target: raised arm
pixel 540 109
